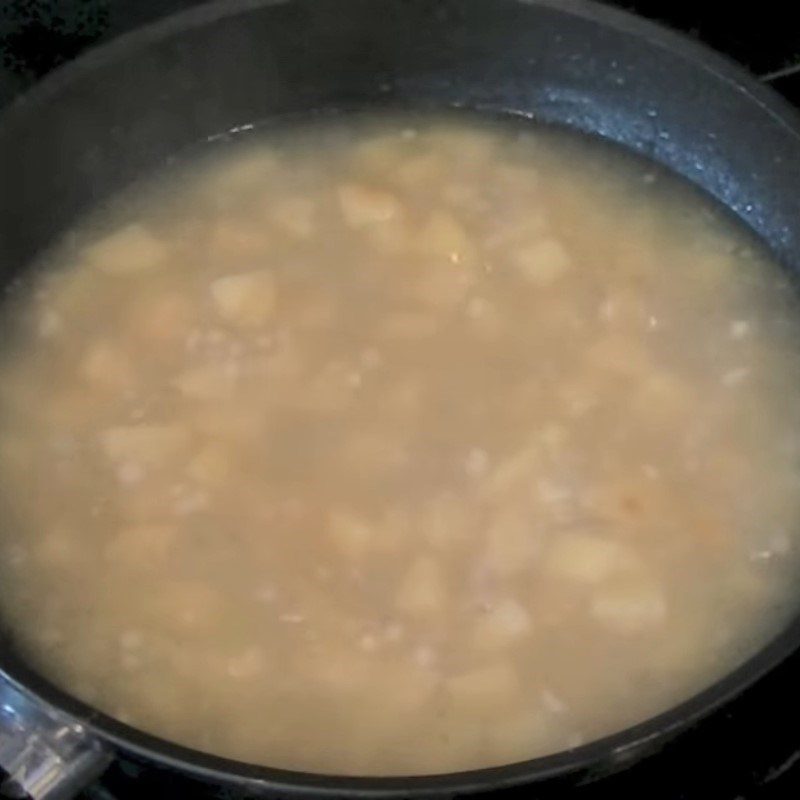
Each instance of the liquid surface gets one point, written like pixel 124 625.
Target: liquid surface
pixel 404 447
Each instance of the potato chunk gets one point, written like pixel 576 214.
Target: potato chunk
pixel 630 604
pixel 246 300
pixel 129 250
pixel 542 263
pixel 444 236
pixel 588 558
pixel 504 624
pixel 364 205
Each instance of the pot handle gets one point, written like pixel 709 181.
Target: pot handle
pixel 47 754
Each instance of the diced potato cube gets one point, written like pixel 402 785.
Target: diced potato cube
pixel 107 366
pixel 589 558
pixel 485 689
pixel 247 299
pixel 502 625
pixel 444 236
pixel 295 216
pixel 129 250
pixel 365 205
pixel 542 263
pixel 150 445
pixel 211 465
pixel 630 604
pixel 423 590
pixel 214 381
pixel 351 535
pixel 141 546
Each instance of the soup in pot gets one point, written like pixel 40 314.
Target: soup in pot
pixel 399 446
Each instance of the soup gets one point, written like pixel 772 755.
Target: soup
pixel 399 446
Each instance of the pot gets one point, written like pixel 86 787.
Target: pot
pixel 221 69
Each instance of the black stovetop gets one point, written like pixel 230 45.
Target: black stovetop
pixel 751 749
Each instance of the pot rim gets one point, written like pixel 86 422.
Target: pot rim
pixel 613 749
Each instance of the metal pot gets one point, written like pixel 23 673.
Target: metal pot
pixel 121 110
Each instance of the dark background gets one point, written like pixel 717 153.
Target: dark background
pixel 38 35
pixel 749 751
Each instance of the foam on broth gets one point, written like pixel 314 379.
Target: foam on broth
pixel 397 446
